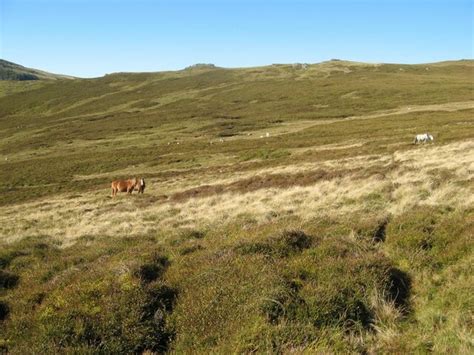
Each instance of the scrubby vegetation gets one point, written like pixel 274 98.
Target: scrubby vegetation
pixel 106 297
pixel 331 233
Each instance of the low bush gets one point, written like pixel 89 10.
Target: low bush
pixel 152 270
pixel 282 302
pixel 106 316
pixel 332 284
pixel 8 280
pixel 109 298
pixel 430 237
pixel 281 245
pixel 4 310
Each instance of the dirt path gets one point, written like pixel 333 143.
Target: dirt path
pixel 292 127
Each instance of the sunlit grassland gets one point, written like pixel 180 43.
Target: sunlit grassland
pixel 333 233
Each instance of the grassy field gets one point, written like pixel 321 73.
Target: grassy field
pixel 286 210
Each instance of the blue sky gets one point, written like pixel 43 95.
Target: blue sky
pixel 90 38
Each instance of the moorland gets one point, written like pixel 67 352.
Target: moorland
pixel 286 210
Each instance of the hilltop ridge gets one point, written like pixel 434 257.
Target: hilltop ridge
pixel 16 72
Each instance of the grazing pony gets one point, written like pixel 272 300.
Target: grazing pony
pixel 140 186
pixel 423 138
pixel 127 186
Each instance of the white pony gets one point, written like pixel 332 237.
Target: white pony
pixel 425 137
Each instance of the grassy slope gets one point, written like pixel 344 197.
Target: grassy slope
pixel 12 71
pixel 16 78
pixel 203 258
pixel 74 126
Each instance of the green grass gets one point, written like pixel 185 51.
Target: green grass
pixel 259 290
pixel 86 127
pixel 360 277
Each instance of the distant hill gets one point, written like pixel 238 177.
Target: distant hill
pixel 202 66
pixel 16 72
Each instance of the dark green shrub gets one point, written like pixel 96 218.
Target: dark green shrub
pixel 371 228
pixel 283 302
pixel 291 241
pixel 430 237
pixel 335 281
pixel 105 315
pixel 4 310
pixel 8 280
pixel 6 257
pixel 151 271
pixel 281 245
pixel 340 307
pixel 399 286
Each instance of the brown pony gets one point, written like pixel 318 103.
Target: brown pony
pixel 127 186
pixel 140 185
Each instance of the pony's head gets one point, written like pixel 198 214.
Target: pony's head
pixel 142 185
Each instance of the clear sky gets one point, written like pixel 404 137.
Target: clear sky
pixel 89 38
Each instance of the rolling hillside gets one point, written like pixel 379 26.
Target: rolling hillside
pixel 286 210
pixel 12 71
pixel 17 78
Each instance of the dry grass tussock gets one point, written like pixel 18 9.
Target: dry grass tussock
pixel 385 184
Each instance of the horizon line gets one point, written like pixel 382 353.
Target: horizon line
pixel 213 65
